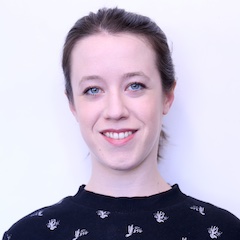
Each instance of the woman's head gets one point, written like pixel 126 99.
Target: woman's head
pixel 114 22
pixel 119 21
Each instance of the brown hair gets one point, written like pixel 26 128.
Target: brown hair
pixel 115 20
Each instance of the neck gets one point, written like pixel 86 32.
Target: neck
pixel 131 183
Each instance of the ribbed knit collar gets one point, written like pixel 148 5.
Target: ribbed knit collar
pixel 130 204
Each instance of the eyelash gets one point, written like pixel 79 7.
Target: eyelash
pixel 86 91
pixel 140 87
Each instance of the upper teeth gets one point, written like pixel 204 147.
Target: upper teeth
pixel 115 135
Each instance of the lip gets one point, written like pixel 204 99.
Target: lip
pixel 118 137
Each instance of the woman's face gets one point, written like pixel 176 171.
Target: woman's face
pixel 118 99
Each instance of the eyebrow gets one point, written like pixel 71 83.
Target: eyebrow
pixel 135 74
pixel 90 77
pixel 125 76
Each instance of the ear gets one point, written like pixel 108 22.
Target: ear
pixel 168 99
pixel 72 107
pixel 73 110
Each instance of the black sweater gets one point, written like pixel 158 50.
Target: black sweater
pixel 166 216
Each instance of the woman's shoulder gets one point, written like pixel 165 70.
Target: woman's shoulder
pixel 37 222
pixel 217 221
pixel 184 203
pixel 209 210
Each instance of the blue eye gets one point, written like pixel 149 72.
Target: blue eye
pixel 136 86
pixel 92 91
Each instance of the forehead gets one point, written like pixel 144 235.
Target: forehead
pixel 109 48
pixel 106 41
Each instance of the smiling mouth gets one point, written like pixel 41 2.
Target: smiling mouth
pixel 118 135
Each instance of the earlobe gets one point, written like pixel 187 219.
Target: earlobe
pixel 169 100
pixel 73 109
pixel 71 106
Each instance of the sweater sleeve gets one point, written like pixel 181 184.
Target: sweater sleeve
pixel 4 236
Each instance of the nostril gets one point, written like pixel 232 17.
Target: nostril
pixel 115 108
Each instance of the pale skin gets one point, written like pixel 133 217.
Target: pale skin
pixel 119 104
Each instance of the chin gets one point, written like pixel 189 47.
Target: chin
pixel 122 165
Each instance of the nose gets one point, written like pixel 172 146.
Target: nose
pixel 115 106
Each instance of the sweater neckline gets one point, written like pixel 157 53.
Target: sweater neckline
pixel 97 201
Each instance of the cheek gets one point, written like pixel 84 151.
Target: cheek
pixel 85 117
pixel 151 109
pixel 86 123
pixel 81 113
pixel 154 120
pixel 88 115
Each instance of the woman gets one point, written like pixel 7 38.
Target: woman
pixel 120 83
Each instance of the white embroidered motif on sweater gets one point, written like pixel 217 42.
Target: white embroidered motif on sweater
pixel 103 214
pixel 214 232
pixel 52 224
pixel 37 214
pixel 160 216
pixel 133 229
pixel 9 237
pixel 198 209
pixel 79 233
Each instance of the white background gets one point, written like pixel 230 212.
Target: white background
pixel 42 155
